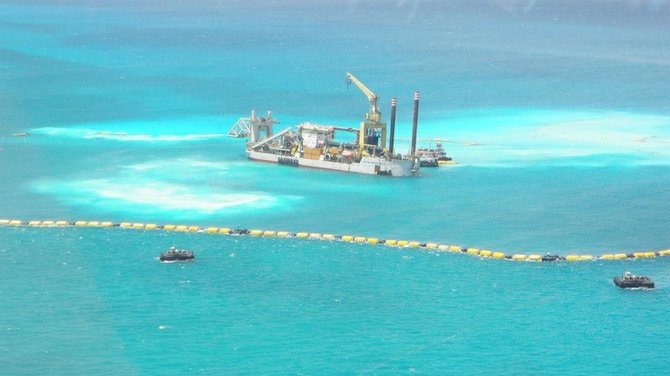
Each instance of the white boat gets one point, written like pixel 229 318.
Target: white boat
pixel 433 157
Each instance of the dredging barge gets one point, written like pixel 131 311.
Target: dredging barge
pixel 316 146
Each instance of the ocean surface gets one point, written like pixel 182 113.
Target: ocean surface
pixel 557 113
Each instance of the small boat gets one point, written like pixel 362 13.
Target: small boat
pixel 173 254
pixel 631 281
pixel 550 257
pixel 433 157
pixel 428 162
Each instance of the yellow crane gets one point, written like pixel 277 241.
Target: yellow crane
pixel 374 115
pixel 373 131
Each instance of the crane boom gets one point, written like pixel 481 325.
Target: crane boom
pixel 374 115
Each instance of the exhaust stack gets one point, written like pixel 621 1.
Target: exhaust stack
pixel 394 103
pixel 414 125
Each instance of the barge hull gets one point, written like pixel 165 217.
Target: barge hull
pixel 367 165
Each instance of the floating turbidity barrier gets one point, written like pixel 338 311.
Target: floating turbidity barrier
pixel 484 253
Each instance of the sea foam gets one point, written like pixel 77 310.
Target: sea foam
pixel 168 130
pixel 172 187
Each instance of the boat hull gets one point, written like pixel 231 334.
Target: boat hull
pixel 633 283
pixel 175 259
pixel 176 256
pixel 367 165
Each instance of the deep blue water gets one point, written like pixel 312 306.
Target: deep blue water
pixel 556 112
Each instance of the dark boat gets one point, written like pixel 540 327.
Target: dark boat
pixel 428 162
pixel 550 257
pixel 631 281
pixel 174 254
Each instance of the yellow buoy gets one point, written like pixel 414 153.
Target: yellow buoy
pixel 328 236
pixel 443 247
pixel 80 223
pixel 302 235
pixel 61 223
pixel 224 230
pixel 181 228
pixel 572 258
pixel 414 244
pixel 402 243
pixel 106 224
pixel 620 256
pixel 665 252
pixel 391 242
pixel 48 223
pixel 212 230
pixel 256 232
pixel 498 255
pixel 125 224
pixel 169 227
pixel 315 236
pixel 4 221
pixel 94 224
pixel 472 251
pixel 455 248
pixel 269 233
pixel 347 238
pixel 534 258
pixel 138 225
pixel 359 239
pixel 607 257
pixel 282 233
pixel 34 223
pixel 151 226
pixel 193 228
pixel 372 241
pixel 432 245
pixel 485 253
pixel 518 257
pixel 585 257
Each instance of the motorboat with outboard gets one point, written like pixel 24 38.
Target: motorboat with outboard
pixel 632 281
pixel 173 254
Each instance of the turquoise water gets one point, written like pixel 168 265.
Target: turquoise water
pixel 102 303
pixel 557 116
